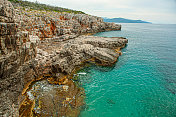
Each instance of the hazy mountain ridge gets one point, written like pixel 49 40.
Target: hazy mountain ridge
pixel 123 20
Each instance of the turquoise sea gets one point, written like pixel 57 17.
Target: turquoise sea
pixel 143 81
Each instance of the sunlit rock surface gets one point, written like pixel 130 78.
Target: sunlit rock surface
pixel 79 50
pixel 53 100
pixel 46 24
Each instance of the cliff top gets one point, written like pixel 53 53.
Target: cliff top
pixel 39 6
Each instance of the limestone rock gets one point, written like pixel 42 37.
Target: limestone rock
pixel 17 55
pixel 37 43
pixel 6 11
pixel 52 24
pixel 79 50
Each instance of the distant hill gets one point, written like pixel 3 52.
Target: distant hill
pixel 123 20
pixel 38 6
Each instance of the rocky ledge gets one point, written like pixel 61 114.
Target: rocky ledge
pixel 48 47
pixel 75 52
pixel 59 62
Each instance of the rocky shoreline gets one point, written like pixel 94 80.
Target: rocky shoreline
pixel 50 47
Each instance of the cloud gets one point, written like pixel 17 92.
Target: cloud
pixel 157 11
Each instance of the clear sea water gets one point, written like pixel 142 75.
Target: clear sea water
pixel 143 81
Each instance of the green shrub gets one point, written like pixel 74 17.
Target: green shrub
pixel 39 6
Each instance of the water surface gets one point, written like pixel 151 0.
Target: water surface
pixel 142 83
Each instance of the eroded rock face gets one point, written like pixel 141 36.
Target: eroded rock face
pixel 61 59
pixel 53 24
pixel 54 100
pixel 66 56
pixel 79 50
pixel 17 55
pixel 47 45
pixel 6 11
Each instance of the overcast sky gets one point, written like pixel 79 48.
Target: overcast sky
pixel 156 11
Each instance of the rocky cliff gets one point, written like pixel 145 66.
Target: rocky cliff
pixel 17 55
pixel 47 24
pixel 36 45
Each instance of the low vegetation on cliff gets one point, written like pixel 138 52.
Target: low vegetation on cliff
pixel 38 6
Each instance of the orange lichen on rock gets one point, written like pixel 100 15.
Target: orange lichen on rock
pixel 53 100
pixel 118 50
pixel 26 108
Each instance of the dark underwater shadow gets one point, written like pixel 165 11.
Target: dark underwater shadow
pixel 169 79
pixel 104 68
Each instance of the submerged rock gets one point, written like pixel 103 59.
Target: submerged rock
pixel 110 101
pixel 53 100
